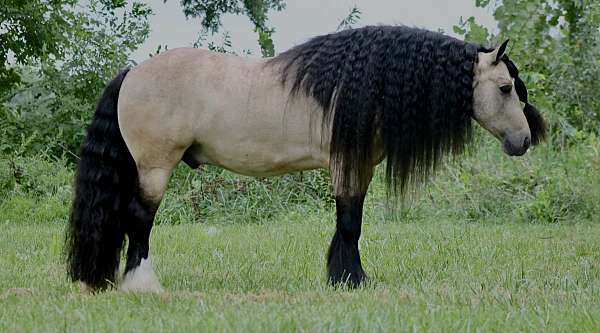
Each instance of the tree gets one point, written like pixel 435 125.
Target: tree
pixel 211 12
pixel 49 109
pixel 30 30
pixel 37 31
pixel 351 19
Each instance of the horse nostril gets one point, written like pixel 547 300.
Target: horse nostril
pixel 526 142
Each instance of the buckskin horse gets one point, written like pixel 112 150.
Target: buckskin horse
pixel 344 101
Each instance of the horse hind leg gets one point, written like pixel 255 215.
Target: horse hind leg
pixel 139 274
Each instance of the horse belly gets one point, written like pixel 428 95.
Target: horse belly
pixel 258 151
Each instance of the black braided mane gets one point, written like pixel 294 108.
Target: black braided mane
pixel 410 89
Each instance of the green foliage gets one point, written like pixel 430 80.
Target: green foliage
pixel 561 41
pixel 214 194
pixel 224 46
pixel 49 111
pixel 265 40
pixel 548 186
pixel 32 30
pixel 350 20
pixel 557 46
pixel 256 10
pixel 34 189
pixel 472 31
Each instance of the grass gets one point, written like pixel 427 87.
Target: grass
pixel 491 244
pixel 436 275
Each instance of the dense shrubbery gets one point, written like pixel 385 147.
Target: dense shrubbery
pixel 545 186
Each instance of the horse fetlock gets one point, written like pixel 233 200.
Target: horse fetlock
pixel 352 278
pixel 343 262
pixel 141 279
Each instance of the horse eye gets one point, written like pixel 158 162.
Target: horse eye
pixel 506 89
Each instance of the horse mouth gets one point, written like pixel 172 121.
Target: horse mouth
pixel 515 153
pixel 516 150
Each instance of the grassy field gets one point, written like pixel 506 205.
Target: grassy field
pixel 440 275
pixel 492 244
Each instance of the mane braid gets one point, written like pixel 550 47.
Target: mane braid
pixel 410 90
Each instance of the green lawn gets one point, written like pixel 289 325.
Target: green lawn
pixel 429 275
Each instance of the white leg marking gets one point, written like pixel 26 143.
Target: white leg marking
pixel 141 279
pixel 85 288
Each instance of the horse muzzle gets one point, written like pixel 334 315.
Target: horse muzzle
pixel 516 144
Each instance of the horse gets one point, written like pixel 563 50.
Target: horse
pixel 344 101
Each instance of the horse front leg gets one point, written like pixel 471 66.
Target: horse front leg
pixel 343 260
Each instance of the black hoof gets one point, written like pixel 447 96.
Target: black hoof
pixel 349 279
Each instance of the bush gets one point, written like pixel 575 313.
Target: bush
pixel 548 185
pixel 216 194
pixel 34 190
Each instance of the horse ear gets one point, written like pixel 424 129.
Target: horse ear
pixel 499 52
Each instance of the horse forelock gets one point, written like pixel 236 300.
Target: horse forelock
pixel 411 87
